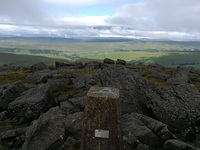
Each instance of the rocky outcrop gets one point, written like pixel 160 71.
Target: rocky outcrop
pixel 73 105
pixel 159 106
pixel 139 129
pixel 108 61
pixel 132 88
pixel 48 132
pixel 70 65
pixel 38 66
pixel 40 76
pixel 178 145
pixel 10 93
pixel 181 76
pixel 32 103
pixel 120 62
pixel 177 106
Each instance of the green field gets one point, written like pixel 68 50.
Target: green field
pixel 169 53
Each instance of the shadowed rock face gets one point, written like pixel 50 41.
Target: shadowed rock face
pixel 160 107
pixel 178 106
pixel 10 93
pixel 32 103
pixel 132 88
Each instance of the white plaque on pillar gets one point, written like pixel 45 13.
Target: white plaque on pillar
pixel 101 133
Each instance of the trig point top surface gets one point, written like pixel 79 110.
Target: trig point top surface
pixel 103 92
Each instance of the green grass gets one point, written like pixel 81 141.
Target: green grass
pixel 13 77
pixel 128 56
pixel 146 74
pixel 25 60
pixel 66 91
pixel 167 53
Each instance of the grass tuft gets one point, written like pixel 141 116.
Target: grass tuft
pixel 13 77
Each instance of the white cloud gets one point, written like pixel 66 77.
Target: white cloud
pixel 169 19
pixel 168 15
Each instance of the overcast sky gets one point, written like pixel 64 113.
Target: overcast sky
pixel 165 19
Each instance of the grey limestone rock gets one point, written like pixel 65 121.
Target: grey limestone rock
pixel 40 76
pixel 46 133
pixel 178 145
pixel 177 106
pixel 108 61
pixel 10 93
pixel 38 66
pixel 32 103
pixel 134 128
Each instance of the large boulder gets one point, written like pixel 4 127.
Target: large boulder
pixel 46 133
pixel 40 76
pixel 38 66
pixel 32 103
pixel 70 65
pixel 135 130
pixel 93 65
pixel 181 77
pixel 10 93
pixel 140 129
pixel 73 124
pixel 120 62
pixel 132 87
pixel 177 106
pixel 16 135
pixel 73 105
pixel 108 61
pixel 58 84
pixel 52 129
pixel 178 145
pixel 83 82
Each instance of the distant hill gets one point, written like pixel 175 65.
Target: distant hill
pixel 16 60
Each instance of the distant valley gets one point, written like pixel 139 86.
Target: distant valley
pixel 27 51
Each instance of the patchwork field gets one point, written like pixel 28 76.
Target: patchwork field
pixel 168 53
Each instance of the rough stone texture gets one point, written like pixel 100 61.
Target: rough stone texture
pixel 70 65
pixel 73 124
pixel 92 65
pixel 189 135
pixel 40 76
pixel 59 84
pixel 120 62
pixel 157 127
pixel 68 143
pixel 178 145
pixel 108 61
pixel 38 66
pixel 132 88
pixel 134 128
pixel 32 103
pixel 83 82
pixel 102 112
pixel 73 105
pixel 46 133
pixel 181 77
pixel 158 75
pixel 142 147
pixel 177 106
pixel 12 133
pixel 10 93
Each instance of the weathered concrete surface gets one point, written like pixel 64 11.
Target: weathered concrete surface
pixel 101 123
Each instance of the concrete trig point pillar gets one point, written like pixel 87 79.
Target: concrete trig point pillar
pixel 101 123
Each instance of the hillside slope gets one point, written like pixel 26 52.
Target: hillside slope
pixel 160 106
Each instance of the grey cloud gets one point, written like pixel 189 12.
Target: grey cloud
pixel 22 11
pixel 168 15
